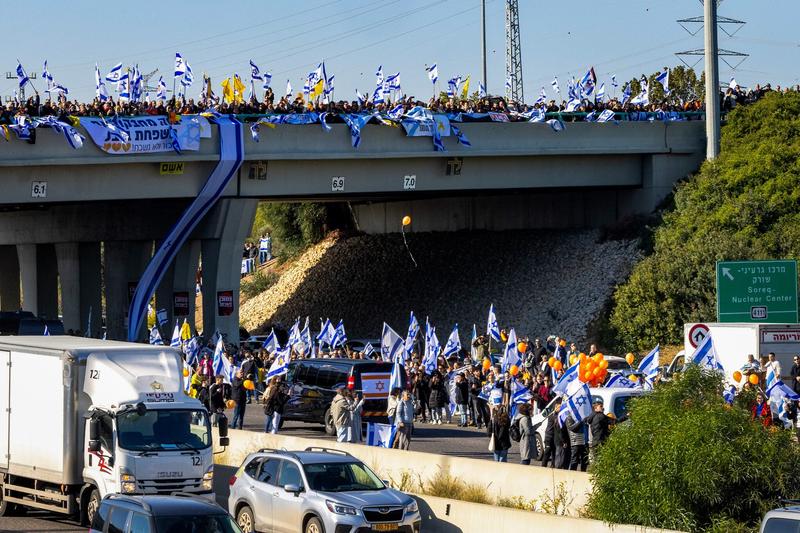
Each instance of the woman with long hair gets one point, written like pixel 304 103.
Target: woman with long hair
pixel 499 438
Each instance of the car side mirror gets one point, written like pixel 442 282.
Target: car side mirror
pixel 296 489
pixel 224 442
pixel 94 445
pixel 94 429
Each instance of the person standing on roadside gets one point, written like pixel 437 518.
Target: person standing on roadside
pixel 795 373
pixel 550 447
pixel 403 421
pixel 340 412
pixel 499 437
pixel 527 440
pixel 238 395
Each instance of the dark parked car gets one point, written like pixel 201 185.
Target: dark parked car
pixel 312 384
pixel 26 323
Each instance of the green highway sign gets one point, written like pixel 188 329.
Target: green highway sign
pixel 757 291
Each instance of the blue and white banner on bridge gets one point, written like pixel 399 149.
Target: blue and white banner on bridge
pixel 149 134
pixel 424 128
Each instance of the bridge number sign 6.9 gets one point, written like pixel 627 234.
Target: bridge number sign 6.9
pixel 337 184
pixel 757 291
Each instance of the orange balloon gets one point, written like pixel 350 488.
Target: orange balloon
pixel 562 343
pixel 522 347
pixel 753 379
pixel 514 370
pixel 630 358
pixel 737 376
pixel 573 359
pixel 186 372
pixel 587 376
pixel 603 364
pixel 503 336
pixel 406 220
pixel 596 372
pixel 633 377
pixel 249 385
pixel 600 356
pixel 230 404
pixel 590 365
pixel 558 366
pixel 582 357
pixel 551 362
pixel 486 363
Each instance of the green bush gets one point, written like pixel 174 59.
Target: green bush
pixel 688 461
pixel 258 283
pixel 744 205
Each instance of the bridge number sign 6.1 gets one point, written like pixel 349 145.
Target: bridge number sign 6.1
pixel 337 184
pixel 38 189
pixel 757 291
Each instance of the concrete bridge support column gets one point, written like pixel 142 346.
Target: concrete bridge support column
pixel 124 263
pixel 39 271
pixel 9 279
pixel 164 301
pixel 79 273
pixel 90 288
pixel 185 279
pixel 232 220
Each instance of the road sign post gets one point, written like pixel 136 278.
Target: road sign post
pixel 757 291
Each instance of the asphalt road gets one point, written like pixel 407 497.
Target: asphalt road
pixel 447 439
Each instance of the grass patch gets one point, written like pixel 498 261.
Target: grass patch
pixel 257 283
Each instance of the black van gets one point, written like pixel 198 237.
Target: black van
pixel 312 384
pixel 26 323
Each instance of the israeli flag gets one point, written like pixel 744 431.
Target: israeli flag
pixel 578 402
pixel 339 337
pixel 554 85
pixel 294 334
pixel 114 74
pixel 481 90
pixel 22 78
pixel 380 435
pixel 326 332
pixel 360 98
pixel 733 85
pixel 369 349
pixel 649 365
pixel 618 381
pixel 396 380
pixel 556 124
pixel 570 375
pixel 663 79
pixel 124 87
pixel 472 349
pixel 180 65
pixel 779 390
pixel 411 335
pixel 155 337
pixel 271 344
pixel 538 115
pixel 379 76
pixel 729 394
pixel 267 80
pixel 175 342
pixel 433 73
pixel 100 87
pixel 431 360
pixel 542 97
pixel 519 393
pixel 453 344
pixel 288 90
pixel 377 96
pixel 491 325
pixel 219 363
pixel 255 74
pixel 606 116
pixel 614 81
pixel 601 92
pixel 626 94
pixel 508 84
pixel 706 356
pixel 643 98
pixel 281 364
pixel 511 353
pixel 396 112
pixel 192 350
pixel 460 136
pixel 161 91
pixel 188 77
pixel 391 344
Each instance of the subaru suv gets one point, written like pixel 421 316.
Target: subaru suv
pixel 782 520
pixel 160 514
pixel 316 491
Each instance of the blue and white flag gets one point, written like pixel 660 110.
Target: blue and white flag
pixel 643 98
pixel 590 117
pixel 281 364
pixel 649 365
pixel 175 342
pixel 360 98
pixel 220 364
pixel 433 73
pixel 396 112
pixel 618 381
pixel 46 331
pixel 187 377
pixel 511 355
pixel 614 81
pixel 508 85
pixel 396 380
pixel 47 77
pixel 192 350
pixel 663 79
pixel 771 378
pixel 188 78
pixel 161 91
pixel 460 136
pixel 453 344
pixel 369 349
pixel 180 65
pixel 288 90
pixel 538 115
pixel 570 375
pixel 733 85
pixel 381 435
pixel 267 79
pixel 481 90
pixel 124 87
pixel 519 393
pixel 706 356
pixel 626 94
pixel 255 74
pixel 431 360
pixel 601 92
pixel 155 337
pixel 411 335
pixel 542 97
pixel 606 116
pixel 379 76
pixel 326 332
pixel 391 344
pixel 556 124
pixel 473 351
pixel 100 87
pixel 271 344
pixel 578 402
pixel 114 74
pixel 779 390
pixel 491 325
pixel 22 78
pixel 339 336
pixel 554 85
pixel 294 334
pixel 729 394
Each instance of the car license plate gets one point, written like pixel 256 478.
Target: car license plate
pixel 385 527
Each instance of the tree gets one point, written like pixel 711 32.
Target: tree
pixel 684 86
pixel 744 205
pixel 688 461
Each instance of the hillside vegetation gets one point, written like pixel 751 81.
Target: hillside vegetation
pixel 744 205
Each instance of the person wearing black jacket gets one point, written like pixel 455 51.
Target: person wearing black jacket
pixel 498 431
pixel 462 398
pixel 250 371
pixel 216 398
pixel 795 373
pixel 274 399
pixel 549 454
pixel 480 414
pixel 422 392
pixel 203 394
pixel 598 423
pixel 238 395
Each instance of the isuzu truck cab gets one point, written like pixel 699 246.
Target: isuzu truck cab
pixel 83 418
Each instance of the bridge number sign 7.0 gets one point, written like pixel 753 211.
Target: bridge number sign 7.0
pixel 757 291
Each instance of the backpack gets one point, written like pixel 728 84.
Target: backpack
pixel 514 431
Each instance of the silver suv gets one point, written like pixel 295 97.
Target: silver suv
pixel 783 520
pixel 316 491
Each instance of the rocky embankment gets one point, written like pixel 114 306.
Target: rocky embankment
pixel 541 282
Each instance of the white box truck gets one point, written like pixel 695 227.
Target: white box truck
pixel 82 418
pixel 733 342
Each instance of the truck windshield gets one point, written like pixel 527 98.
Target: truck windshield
pixel 164 429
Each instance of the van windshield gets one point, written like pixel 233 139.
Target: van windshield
pixel 164 429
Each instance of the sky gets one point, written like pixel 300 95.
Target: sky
pixel 290 37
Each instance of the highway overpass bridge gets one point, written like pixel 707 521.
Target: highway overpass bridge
pixel 83 223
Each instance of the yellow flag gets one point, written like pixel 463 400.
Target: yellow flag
pixel 238 89
pixel 465 90
pixel 227 90
pixel 316 91
pixel 186 332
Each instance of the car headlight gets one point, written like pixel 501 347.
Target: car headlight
pixel 412 507
pixel 338 508
pixel 208 479
pixel 127 482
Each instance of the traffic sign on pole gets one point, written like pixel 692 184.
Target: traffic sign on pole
pixel 757 291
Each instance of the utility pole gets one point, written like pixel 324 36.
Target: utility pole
pixel 712 79
pixel 483 43
pixel 513 52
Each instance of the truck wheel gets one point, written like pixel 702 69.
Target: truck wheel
pixel 6 509
pixel 245 520
pixel 539 447
pixel 91 507
pixel 330 429
pixel 314 526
